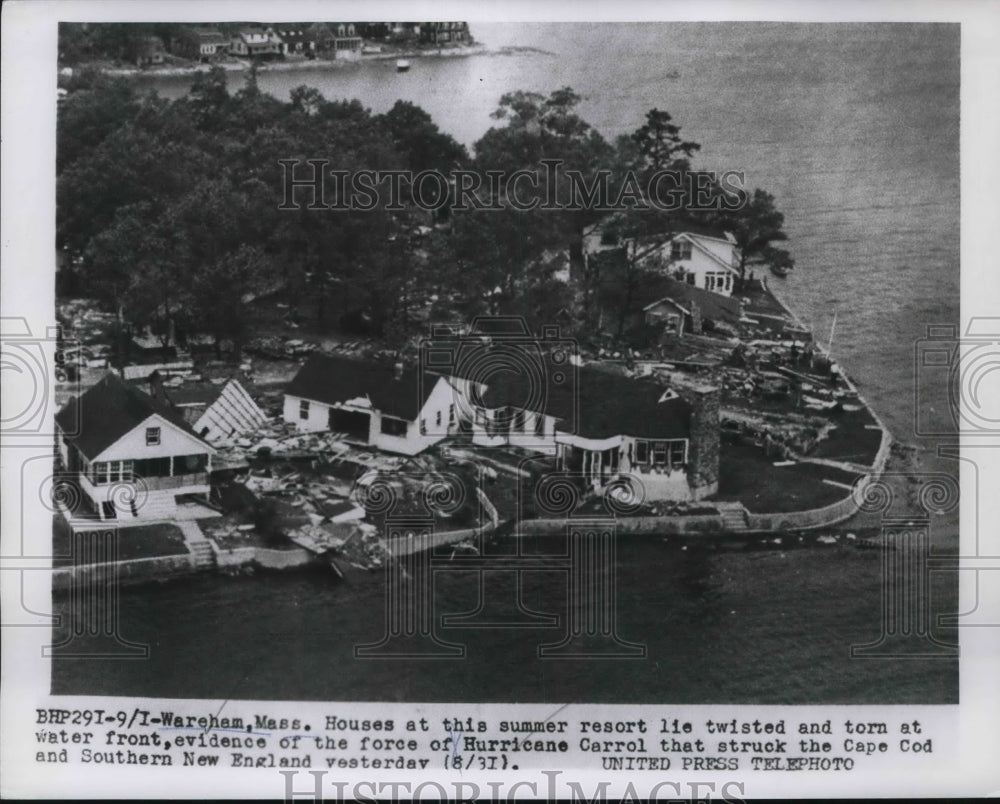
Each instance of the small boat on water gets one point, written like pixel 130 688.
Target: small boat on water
pixel 402 65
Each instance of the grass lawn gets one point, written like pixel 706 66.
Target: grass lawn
pixel 850 440
pixel 141 541
pixel 747 475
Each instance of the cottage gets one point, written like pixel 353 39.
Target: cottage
pixel 204 44
pixel 261 43
pixel 685 308
pixel 132 456
pixel 702 256
pixel 392 408
pixel 440 33
pixel 149 50
pixel 299 41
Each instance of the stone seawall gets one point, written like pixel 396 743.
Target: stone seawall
pixel 138 570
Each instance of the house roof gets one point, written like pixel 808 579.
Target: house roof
pixel 210 36
pixel 331 379
pixel 712 305
pixel 110 410
pixel 598 405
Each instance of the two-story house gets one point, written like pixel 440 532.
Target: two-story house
pixel 703 257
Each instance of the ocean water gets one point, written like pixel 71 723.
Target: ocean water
pixel 854 129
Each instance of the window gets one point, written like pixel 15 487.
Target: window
pixel 153 467
pixel 718 281
pixel 659 453
pixel 393 427
pixel 680 250
pixel 451 413
pixel 423 426
pixel 152 436
pixel 519 420
pixel 539 425
pixel 437 419
pixel 303 408
pixel 641 451
pixel 677 450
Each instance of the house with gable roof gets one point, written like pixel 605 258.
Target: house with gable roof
pixel 389 407
pixel 132 456
pixel 702 256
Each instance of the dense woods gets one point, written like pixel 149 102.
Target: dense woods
pixel 169 211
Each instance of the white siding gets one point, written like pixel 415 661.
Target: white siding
pixel 438 401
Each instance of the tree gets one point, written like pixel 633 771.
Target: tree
pixel 755 226
pixel 417 138
pixel 659 141
pixel 222 290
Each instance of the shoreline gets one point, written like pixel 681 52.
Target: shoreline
pixel 283 65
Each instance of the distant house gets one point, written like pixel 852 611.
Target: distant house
pixel 404 31
pixel 703 257
pixel 320 33
pixel 149 50
pixel 347 38
pixel 388 407
pixel 373 30
pixel 440 33
pixel 133 457
pixel 261 43
pixel 299 40
pixel 204 44
pixel 685 308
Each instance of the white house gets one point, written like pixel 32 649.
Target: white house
pixel 605 426
pixel 133 456
pixel 707 259
pixel 257 42
pixel 391 408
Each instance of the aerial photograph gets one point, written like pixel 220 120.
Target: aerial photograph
pixel 506 363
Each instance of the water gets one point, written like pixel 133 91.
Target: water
pixel 854 129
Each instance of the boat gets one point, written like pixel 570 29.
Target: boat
pixel 402 65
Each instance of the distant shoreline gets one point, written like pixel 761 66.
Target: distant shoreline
pixel 242 65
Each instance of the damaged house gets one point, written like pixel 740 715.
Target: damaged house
pixel 391 408
pixel 603 427
pixel 611 425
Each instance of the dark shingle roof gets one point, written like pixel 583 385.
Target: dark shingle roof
pixel 109 410
pixel 331 379
pixel 598 404
pixel 713 306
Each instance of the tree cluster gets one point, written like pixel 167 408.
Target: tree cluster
pixel 168 212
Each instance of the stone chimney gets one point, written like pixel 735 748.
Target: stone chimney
pixel 695 318
pixel 703 444
pixel 155 381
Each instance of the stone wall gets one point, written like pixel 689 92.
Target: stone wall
pixel 126 572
